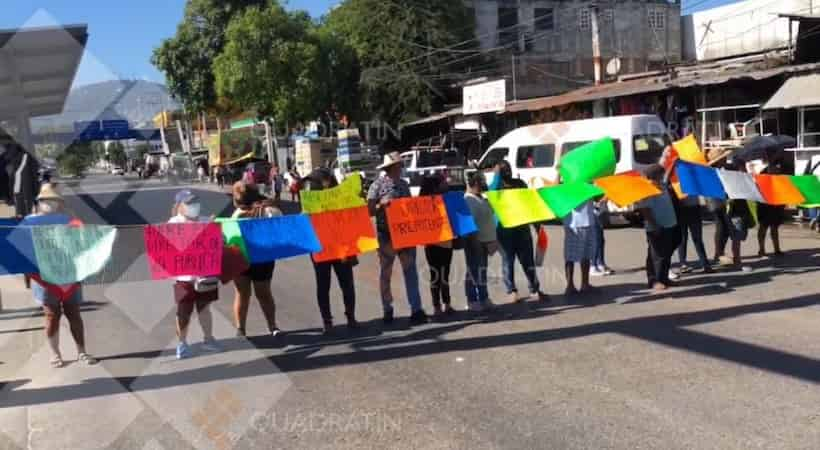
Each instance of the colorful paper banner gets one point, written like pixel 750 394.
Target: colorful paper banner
pixel 588 162
pixel 809 187
pixel 563 198
pixel 696 179
pixel 418 221
pixel 232 235
pixel 180 249
pixel 67 254
pixel 515 207
pixel 779 190
pixel 688 150
pixel 461 219
pixel 277 238
pixel 346 195
pixel 627 189
pixel 739 185
pixel 344 233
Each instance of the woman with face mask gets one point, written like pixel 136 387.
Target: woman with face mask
pixel 250 204
pixel 57 300
pixel 191 291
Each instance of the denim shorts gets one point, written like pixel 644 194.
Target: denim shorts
pixel 45 298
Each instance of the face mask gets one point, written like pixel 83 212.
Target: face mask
pixel 192 210
pixel 47 206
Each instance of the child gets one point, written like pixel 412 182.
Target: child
pixel 579 245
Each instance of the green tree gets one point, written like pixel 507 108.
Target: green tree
pixel 406 49
pixel 75 159
pixel 116 154
pixel 139 154
pixel 269 63
pixel 187 57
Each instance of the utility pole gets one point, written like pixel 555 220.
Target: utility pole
pixel 596 42
pixel 515 93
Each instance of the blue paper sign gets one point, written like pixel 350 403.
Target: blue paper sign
pixel 461 219
pixel 696 179
pixel 276 238
pixel 17 251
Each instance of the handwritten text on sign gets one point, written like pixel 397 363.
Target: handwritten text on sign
pixel 178 249
pixel 418 221
pixel 70 254
pixel 346 195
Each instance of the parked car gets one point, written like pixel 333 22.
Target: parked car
pixel 421 163
pixel 117 170
pixel 534 151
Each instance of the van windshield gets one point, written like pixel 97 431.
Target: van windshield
pixel 649 147
pixel 493 157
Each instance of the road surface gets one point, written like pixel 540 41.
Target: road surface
pixel 725 361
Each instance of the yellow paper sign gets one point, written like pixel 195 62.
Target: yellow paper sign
pixel 689 150
pixel 515 207
pixel 344 196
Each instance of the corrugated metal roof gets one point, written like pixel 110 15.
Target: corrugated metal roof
pixel 435 117
pixel 796 92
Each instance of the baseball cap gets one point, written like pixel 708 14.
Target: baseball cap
pixel 186 196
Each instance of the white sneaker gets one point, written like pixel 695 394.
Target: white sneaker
pixel 673 276
pixel 596 272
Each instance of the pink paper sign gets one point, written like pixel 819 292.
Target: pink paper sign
pixel 178 249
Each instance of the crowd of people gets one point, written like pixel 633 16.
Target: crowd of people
pixel 670 220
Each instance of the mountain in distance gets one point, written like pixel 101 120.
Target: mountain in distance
pixel 134 100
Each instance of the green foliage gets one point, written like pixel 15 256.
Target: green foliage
pixel 75 159
pixel 187 57
pixel 404 48
pixel 116 154
pixel 139 154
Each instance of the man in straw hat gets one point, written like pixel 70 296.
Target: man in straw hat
pixel 387 187
pixel 57 300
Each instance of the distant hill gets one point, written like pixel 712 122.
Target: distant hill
pixel 137 101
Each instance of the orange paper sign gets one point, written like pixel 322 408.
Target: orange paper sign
pixel 344 233
pixel 627 189
pixel 688 150
pixel 418 221
pixel 779 190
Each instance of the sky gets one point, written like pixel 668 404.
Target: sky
pixel 123 34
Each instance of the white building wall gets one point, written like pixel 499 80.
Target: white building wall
pixel 740 28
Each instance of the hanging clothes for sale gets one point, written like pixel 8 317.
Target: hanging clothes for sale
pixel 25 184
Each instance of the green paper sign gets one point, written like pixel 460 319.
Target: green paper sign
pixel 809 186
pixel 563 198
pixel 67 254
pixel 588 162
pixel 232 234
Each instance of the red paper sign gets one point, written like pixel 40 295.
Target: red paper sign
pixel 179 249
pixel 344 233
pixel 417 221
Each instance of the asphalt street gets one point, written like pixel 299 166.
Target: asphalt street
pixel 729 360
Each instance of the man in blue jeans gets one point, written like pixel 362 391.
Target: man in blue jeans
pixel 386 188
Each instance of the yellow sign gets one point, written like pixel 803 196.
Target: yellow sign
pixel 346 195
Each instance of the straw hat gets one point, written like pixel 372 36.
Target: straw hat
pixel 390 159
pixel 48 192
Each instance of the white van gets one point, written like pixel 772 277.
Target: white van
pixel 534 151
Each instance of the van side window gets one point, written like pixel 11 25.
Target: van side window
pixel 568 147
pixel 493 157
pixel 534 156
pixel 649 147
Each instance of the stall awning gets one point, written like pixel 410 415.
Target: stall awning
pixel 796 92
pixel 434 118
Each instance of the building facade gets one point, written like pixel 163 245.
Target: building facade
pixel 547 44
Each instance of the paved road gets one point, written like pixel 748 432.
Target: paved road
pixel 724 361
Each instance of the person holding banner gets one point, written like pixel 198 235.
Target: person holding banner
pixel 517 243
pixel 386 188
pixel 440 255
pixel 250 204
pixel 479 246
pixel 191 291
pixel 321 179
pixel 662 231
pixel 770 217
pixel 57 300
pixel 579 245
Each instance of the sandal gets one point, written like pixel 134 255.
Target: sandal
pixel 57 362
pixel 87 359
